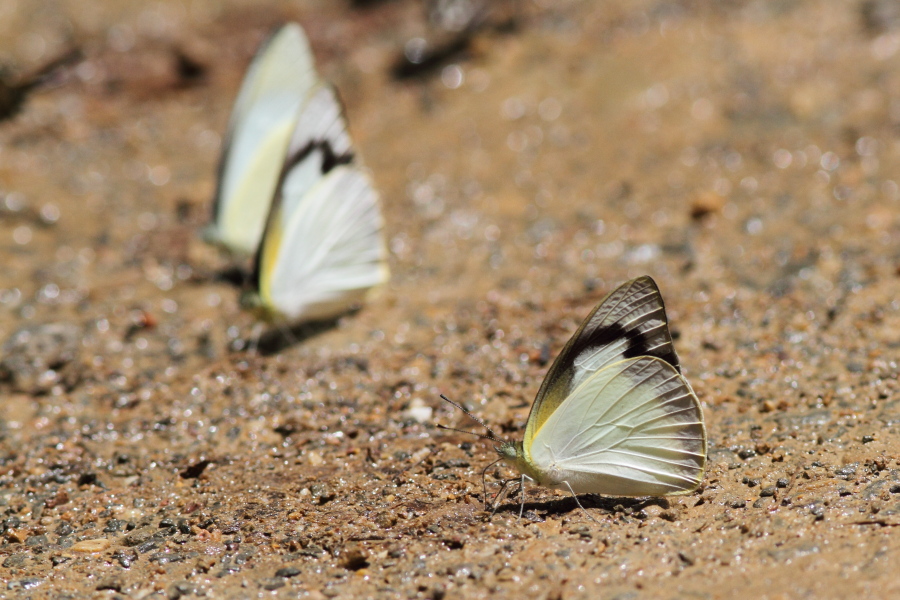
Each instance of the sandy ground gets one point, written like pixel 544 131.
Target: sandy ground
pixel 744 155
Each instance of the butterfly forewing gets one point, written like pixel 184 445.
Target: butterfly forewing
pixel 249 183
pixel 319 143
pixel 284 62
pixel 278 81
pixel 633 428
pixel 321 124
pixel 629 322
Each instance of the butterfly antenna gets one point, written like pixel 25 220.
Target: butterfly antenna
pixel 492 436
pixel 487 437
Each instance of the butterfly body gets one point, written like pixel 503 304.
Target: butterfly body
pixel 614 416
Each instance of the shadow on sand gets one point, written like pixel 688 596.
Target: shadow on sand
pixel 280 336
pixel 560 506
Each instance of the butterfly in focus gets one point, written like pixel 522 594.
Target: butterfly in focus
pixel 292 194
pixel 614 415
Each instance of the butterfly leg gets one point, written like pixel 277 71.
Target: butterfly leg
pixel 484 477
pixel 495 503
pixel 522 496
pixel 286 333
pixel 255 335
pixel 574 495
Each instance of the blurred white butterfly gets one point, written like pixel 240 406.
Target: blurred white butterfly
pixel 614 415
pixel 291 191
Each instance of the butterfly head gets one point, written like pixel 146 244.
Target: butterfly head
pixel 514 455
pixel 510 452
pixel 252 302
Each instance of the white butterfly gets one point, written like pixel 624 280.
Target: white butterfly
pixel 614 415
pixel 291 191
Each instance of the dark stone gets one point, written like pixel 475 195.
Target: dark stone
pixel 315 550
pixel 271 583
pixel 114 526
pixel 195 470
pixel 148 546
pixel 15 560
pixel 64 528
pixel 847 471
pixel 180 589
pixel 124 558
pixel 287 572
pixel 36 540
pixel 164 558
pixel 453 463
pixel 137 537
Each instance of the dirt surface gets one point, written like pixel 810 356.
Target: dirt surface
pixel 743 154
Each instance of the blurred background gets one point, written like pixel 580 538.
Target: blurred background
pixel 530 155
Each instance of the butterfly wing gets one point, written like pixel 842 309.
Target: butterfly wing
pixel 319 143
pixel 284 62
pixel 629 322
pixel 634 428
pixel 323 249
pixel 279 80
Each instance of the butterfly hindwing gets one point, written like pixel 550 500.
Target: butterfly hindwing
pixel 629 322
pixel 633 428
pixel 328 251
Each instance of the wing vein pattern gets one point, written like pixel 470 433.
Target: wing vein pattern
pixel 633 428
pixel 629 322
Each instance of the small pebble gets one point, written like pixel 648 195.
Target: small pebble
pixel 354 559
pixel 97 545
pixel 418 411
pixel 24 584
